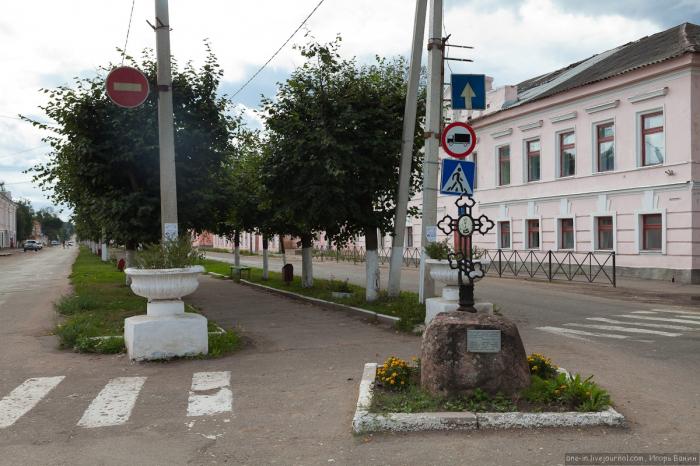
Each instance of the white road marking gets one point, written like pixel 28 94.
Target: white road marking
pixel 24 398
pixel 639 324
pixel 206 405
pixel 617 328
pixel 570 332
pixel 113 405
pixel 692 315
pixel 662 319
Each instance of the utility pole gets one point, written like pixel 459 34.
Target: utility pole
pixel 409 128
pixel 166 132
pixel 432 139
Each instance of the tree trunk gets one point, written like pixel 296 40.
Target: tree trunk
pixel 130 258
pixel 282 251
pixel 237 249
pixel 307 270
pixel 266 265
pixel 371 265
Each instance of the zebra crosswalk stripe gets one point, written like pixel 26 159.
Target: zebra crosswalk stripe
pixel 683 314
pixel 639 324
pixel 618 328
pixel 200 404
pixel 570 332
pixel 23 398
pixel 113 405
pixel 661 319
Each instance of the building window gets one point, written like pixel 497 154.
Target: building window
pixel 651 232
pixel 533 234
pixel 605 233
pixel 532 148
pixel 566 233
pixel 503 165
pixel 504 235
pixel 652 138
pixel 567 154
pixel 605 147
pixel 409 237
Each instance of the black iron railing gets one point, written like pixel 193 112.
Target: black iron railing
pixel 551 265
pixel 411 256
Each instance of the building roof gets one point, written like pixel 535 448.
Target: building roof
pixel 659 47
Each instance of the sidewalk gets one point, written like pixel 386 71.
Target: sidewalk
pixel 295 387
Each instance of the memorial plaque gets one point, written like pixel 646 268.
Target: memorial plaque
pixel 483 341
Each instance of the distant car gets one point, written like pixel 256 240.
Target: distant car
pixel 55 243
pixel 32 245
pixel 69 243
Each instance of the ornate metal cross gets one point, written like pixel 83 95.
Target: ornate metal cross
pixel 465 225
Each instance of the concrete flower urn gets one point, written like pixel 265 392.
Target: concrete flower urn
pixel 166 330
pixel 440 271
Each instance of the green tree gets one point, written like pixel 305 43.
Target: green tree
pixel 334 149
pixel 25 214
pixel 51 224
pixel 105 159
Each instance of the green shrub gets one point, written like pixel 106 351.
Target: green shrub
pixel 438 250
pixel 170 254
pixel 569 392
pixel 339 286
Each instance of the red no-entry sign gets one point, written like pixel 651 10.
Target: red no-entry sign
pixel 127 87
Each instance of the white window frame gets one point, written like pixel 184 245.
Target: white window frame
pixel 594 146
pixel 557 229
pixel 526 178
pixel 498 165
pixel 526 235
pixel 638 135
pixel 498 233
pixel 594 229
pixel 639 231
pixel 557 151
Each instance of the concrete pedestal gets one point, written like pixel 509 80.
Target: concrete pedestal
pixel 161 337
pixel 449 301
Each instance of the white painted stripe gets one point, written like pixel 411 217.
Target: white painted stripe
pixel 128 87
pixel 24 398
pixel 684 314
pixel 617 328
pixel 568 332
pixel 113 405
pixel 639 324
pixel 209 404
pixel 202 381
pixel 678 311
pixel 662 319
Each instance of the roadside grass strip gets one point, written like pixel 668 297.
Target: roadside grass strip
pixel 23 398
pixel 405 307
pixel 210 394
pixel 113 405
pixel 366 421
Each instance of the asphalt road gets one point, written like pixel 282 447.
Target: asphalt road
pixel 294 385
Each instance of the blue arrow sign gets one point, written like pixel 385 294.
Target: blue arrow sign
pixel 457 177
pixel 468 92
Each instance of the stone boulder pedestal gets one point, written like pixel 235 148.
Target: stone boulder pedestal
pixel 449 368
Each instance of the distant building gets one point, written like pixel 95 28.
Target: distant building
pixel 251 242
pixel 8 221
pixel 602 155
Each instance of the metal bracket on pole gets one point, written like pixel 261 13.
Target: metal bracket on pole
pixel 437 42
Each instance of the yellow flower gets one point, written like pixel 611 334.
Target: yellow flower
pixel 556 392
pixel 534 368
pixel 392 382
pixel 402 382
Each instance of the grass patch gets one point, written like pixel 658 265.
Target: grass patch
pixel 397 390
pixel 405 306
pixel 95 311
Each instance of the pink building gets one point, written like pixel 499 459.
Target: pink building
pixel 602 155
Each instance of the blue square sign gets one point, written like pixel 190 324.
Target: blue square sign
pixel 468 92
pixel 457 177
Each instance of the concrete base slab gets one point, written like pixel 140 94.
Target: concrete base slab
pixel 150 337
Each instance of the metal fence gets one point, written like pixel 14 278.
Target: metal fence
pixel 411 256
pixel 551 265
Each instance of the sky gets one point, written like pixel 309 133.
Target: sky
pixel 46 44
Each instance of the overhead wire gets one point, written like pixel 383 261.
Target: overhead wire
pixel 128 30
pixel 278 50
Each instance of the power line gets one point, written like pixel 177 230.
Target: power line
pixel 26 150
pixel 128 29
pixel 278 50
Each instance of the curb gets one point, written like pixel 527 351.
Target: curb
pixel 365 422
pixel 327 304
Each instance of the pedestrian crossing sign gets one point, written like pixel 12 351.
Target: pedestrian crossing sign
pixel 457 177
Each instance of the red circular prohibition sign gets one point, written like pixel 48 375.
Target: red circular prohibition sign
pixel 457 146
pixel 127 86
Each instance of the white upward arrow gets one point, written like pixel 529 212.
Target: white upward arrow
pixel 468 94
